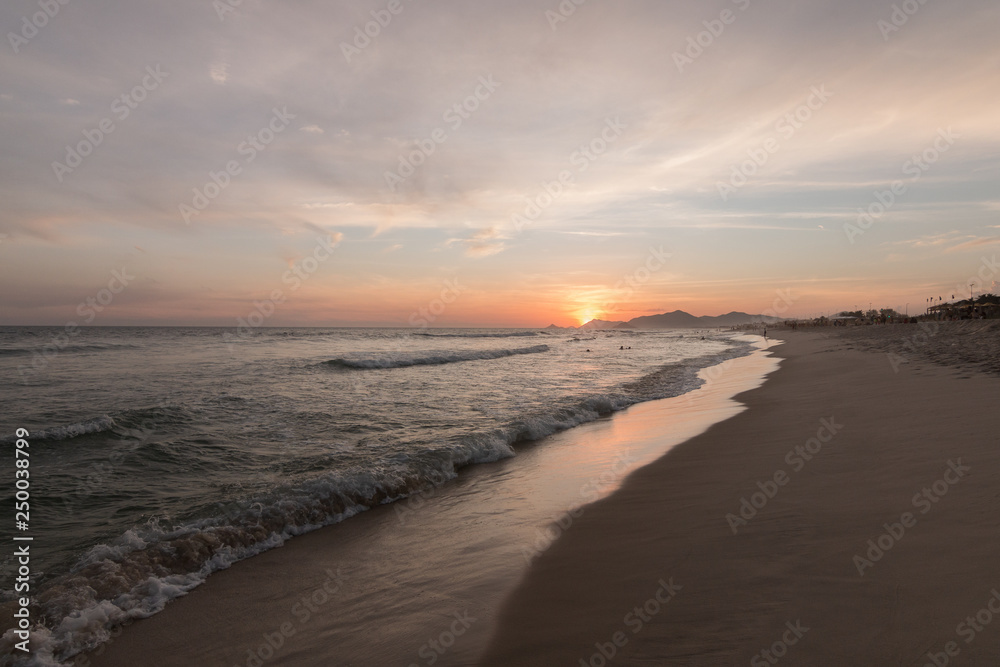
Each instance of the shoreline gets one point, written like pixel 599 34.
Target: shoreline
pixel 402 572
pixel 373 446
pixel 847 517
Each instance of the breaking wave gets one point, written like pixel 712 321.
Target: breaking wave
pixel 431 358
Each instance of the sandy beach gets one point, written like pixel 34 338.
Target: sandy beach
pixel 849 517
pixel 972 345
pixel 421 581
pixel 354 334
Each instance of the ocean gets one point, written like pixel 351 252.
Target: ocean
pixel 161 455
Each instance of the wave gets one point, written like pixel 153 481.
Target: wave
pixel 123 423
pixel 95 425
pixel 431 358
pixel 513 334
pixel 137 574
pixel 301 333
pixel 49 350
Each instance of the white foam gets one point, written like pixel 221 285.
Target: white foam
pixel 129 570
pixel 432 358
pixel 96 425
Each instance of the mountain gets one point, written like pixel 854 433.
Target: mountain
pixel 681 320
pixel 601 325
pixel 735 318
pixel 675 320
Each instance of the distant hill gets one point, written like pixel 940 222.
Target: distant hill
pixel 675 320
pixel 681 320
pixel 735 318
pixel 601 325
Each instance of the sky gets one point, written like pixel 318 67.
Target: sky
pixel 493 163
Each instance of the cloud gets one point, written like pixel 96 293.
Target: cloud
pixel 484 243
pixel 606 234
pixel 219 73
pixel 933 240
pixel 977 243
pixel 686 132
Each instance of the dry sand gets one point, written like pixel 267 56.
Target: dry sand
pixel 665 534
pixel 401 572
pixel 902 430
pixel 969 344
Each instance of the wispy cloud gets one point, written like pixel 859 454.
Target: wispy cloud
pixel 977 243
pixel 604 234
pixel 483 243
pixel 395 101
pixel 219 72
pixel 932 240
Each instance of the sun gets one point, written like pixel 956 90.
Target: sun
pixel 587 314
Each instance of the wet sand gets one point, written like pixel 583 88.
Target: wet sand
pixel 421 581
pixel 849 517
pixel 874 538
